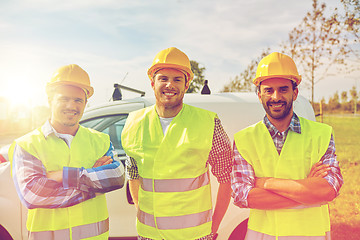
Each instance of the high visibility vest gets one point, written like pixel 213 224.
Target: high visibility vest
pixel 88 219
pixel 299 153
pixel 174 197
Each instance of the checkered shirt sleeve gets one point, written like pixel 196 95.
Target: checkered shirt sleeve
pixel 243 175
pixel 334 177
pixel 100 179
pixel 221 156
pixel 242 179
pixel 131 168
pixel 35 190
pixel 79 184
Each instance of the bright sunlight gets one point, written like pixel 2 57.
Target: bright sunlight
pixel 21 91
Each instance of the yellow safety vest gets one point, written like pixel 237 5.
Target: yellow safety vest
pixel 174 197
pixel 86 220
pixel 299 153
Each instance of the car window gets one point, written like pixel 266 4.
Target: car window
pixel 92 122
pixel 111 125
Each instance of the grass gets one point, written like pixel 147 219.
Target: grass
pixel 345 209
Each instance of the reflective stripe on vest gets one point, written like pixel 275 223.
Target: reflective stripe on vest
pixel 305 206
pixel 174 171
pixel 63 234
pixel 174 185
pixel 79 232
pixel 253 235
pixel 87 146
pixel 175 222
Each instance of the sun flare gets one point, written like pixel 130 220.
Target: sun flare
pixel 22 92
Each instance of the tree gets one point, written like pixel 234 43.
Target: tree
pixel 334 102
pixel 352 17
pixel 345 105
pixel 316 45
pixel 243 82
pixel 323 104
pixel 353 93
pixel 198 81
pixel 350 22
pixel 344 97
pixel 354 97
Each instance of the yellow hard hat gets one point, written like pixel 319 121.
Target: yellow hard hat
pixel 276 65
pixel 171 58
pixel 71 75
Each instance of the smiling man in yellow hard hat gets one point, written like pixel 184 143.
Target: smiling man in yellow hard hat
pixel 285 166
pixel 170 147
pixel 59 169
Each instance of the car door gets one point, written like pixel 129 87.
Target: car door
pixel 122 212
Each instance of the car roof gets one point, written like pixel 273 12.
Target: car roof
pixel 235 110
pixel 189 98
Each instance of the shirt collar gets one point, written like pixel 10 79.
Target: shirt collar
pixel 48 129
pixel 293 126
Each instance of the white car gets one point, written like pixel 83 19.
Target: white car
pixel 236 111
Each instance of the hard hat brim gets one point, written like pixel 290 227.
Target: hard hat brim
pixel 158 66
pixel 89 90
pixel 296 79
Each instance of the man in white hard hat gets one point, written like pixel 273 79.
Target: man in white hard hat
pixel 170 146
pixel 62 170
pixel 285 166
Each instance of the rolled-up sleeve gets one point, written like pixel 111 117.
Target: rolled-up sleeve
pixel 334 177
pixel 102 179
pixel 35 190
pixel 131 168
pixel 221 156
pixel 242 180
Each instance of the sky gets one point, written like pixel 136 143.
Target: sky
pixel 115 41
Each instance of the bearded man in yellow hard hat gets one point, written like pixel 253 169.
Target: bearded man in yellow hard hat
pixel 170 146
pixel 285 166
pixel 59 169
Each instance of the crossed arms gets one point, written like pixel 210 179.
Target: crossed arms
pixel 321 185
pixel 38 188
pixel 275 193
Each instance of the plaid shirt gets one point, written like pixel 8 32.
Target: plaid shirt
pixel 243 176
pixel 220 157
pixel 79 184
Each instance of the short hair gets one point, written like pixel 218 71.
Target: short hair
pixel 53 90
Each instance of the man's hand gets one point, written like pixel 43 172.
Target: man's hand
pixel 58 175
pixel 260 182
pixel 319 170
pixel 103 161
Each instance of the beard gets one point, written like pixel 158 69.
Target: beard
pixel 278 114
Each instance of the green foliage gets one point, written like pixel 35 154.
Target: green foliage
pixel 346 105
pixel 345 209
pixel 199 78
pixel 352 17
pixel 344 97
pixel 325 40
pixel 334 102
pixel 347 137
pixel 243 82
pixel 317 44
pixel 353 93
